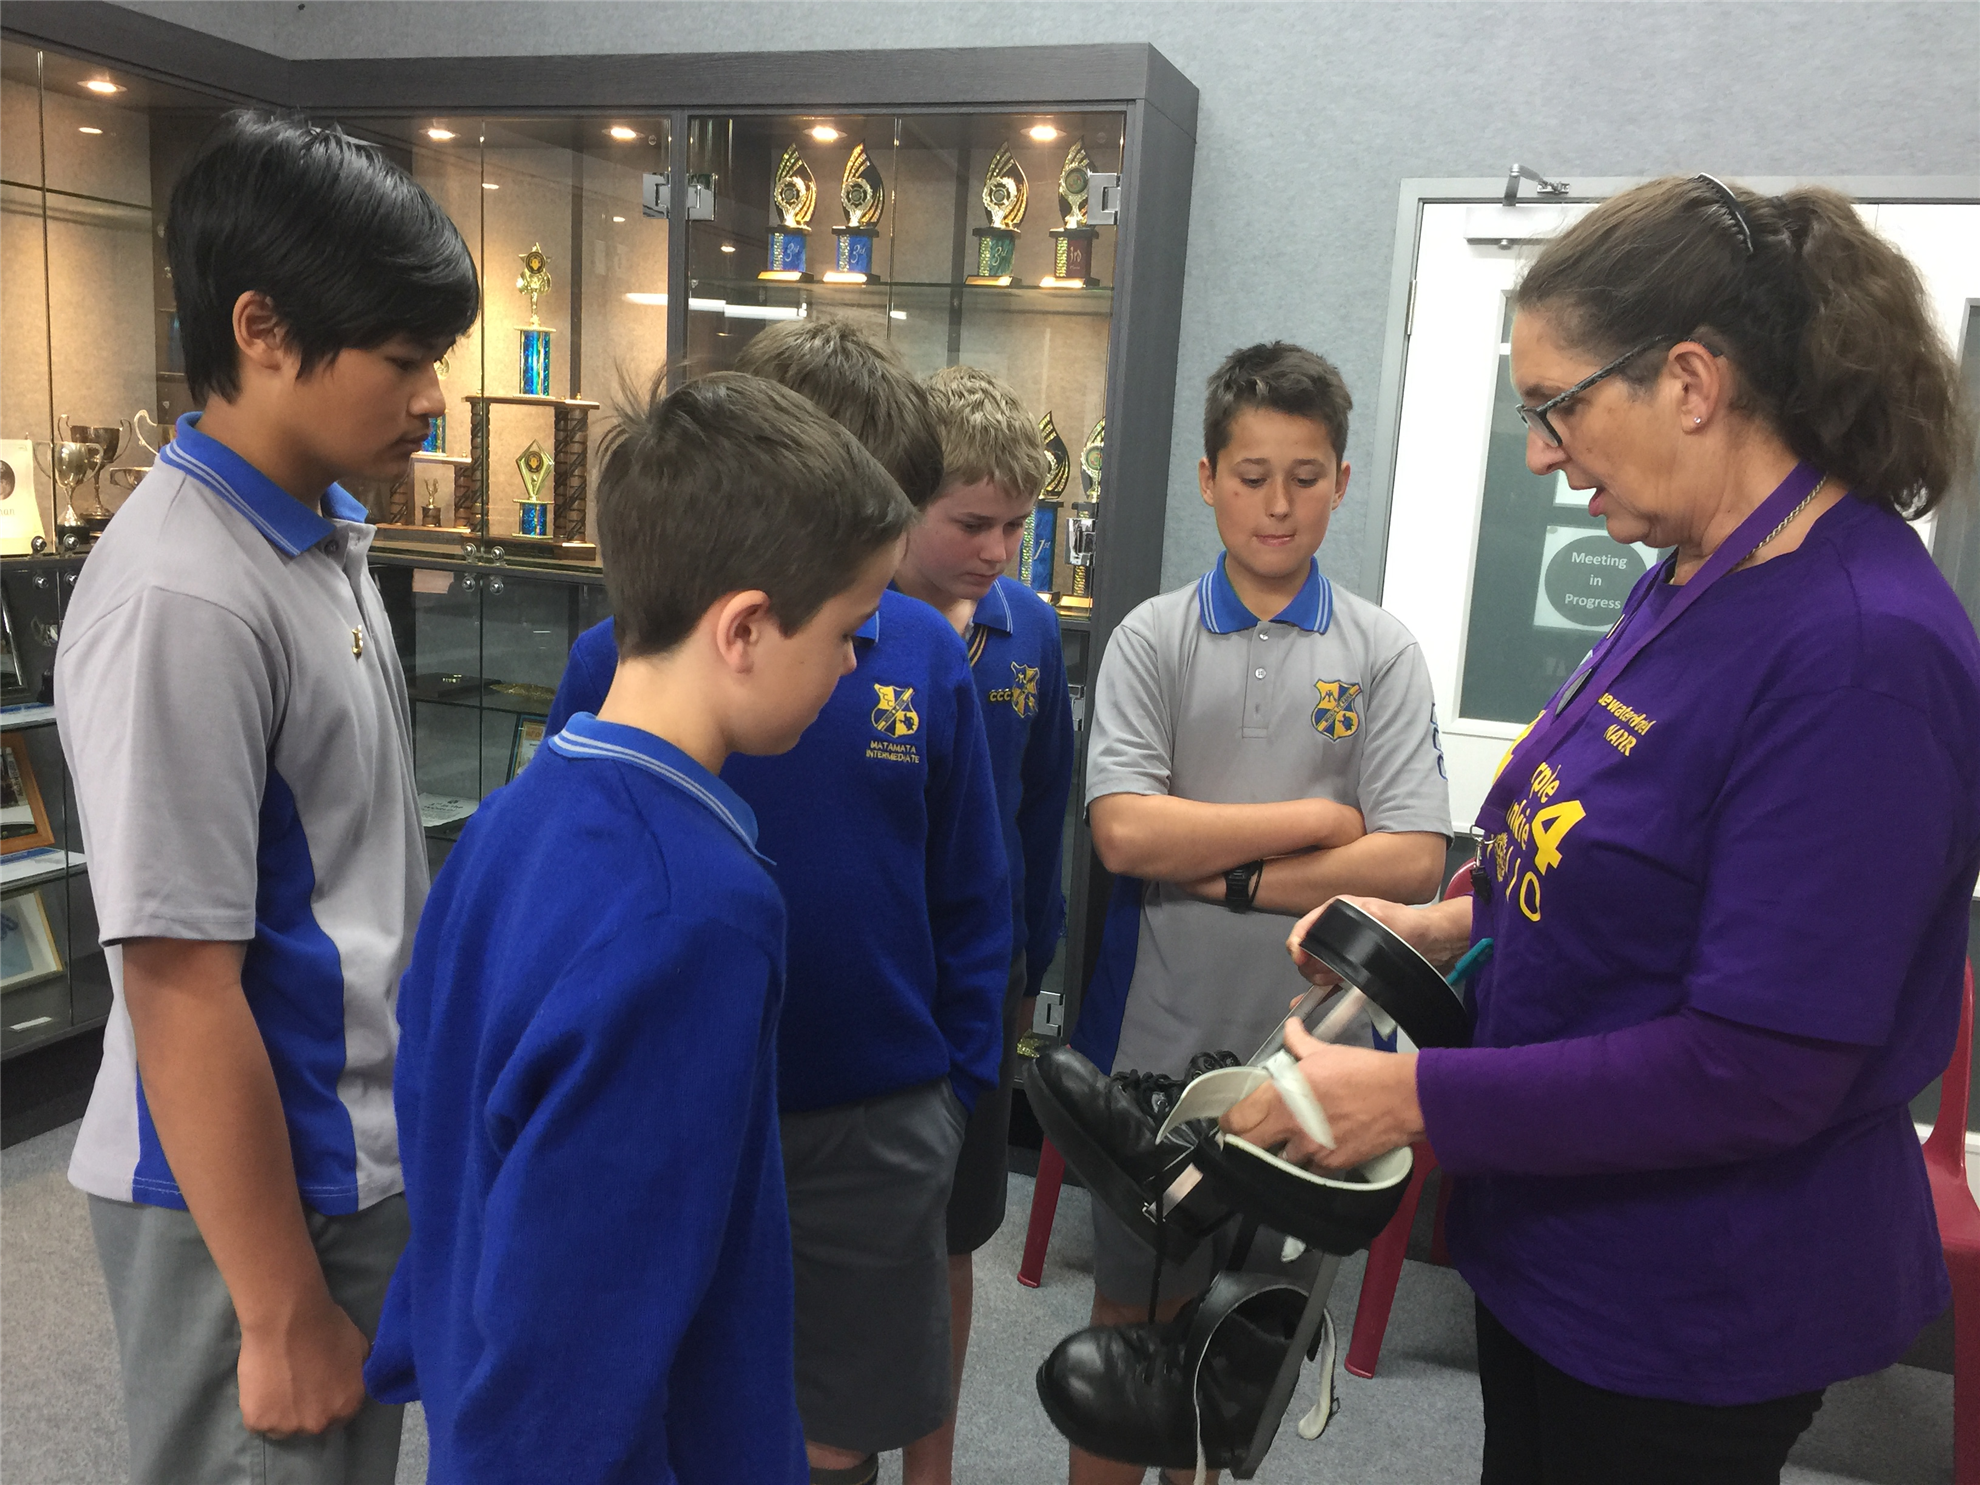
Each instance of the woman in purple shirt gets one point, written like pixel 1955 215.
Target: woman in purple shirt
pixel 1727 871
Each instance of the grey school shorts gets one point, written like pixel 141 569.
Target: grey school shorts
pixel 179 1347
pixel 983 1170
pixel 868 1187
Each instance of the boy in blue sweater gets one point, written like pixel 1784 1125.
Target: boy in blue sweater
pixel 993 465
pixel 884 829
pixel 598 1286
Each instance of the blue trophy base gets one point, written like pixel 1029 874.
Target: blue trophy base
pixel 1044 547
pixel 787 254
pixel 852 256
pixel 532 518
pixel 533 370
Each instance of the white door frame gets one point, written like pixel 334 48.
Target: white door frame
pixel 1442 637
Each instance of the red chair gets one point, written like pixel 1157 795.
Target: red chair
pixel 1044 1207
pixel 1959 1234
pixel 1385 1254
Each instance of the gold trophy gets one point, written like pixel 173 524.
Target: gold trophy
pixel 864 198
pixel 1079 521
pixel 429 511
pixel 533 371
pixel 533 511
pixel 1005 196
pixel 793 196
pixel 1039 544
pixel 1072 244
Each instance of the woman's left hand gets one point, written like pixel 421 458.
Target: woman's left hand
pixel 1369 1098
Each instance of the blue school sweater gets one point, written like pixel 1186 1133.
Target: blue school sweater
pixel 1020 668
pixel 598 1286
pixel 883 829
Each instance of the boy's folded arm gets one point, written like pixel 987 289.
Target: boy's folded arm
pixel 1162 838
pixel 629 1111
pixel 1397 866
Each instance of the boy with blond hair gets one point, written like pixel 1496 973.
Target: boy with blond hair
pixel 993 465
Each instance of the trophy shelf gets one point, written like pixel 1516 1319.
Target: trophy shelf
pixel 716 295
pixel 478 693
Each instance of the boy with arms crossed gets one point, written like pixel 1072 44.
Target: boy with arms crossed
pixel 599 1282
pixel 1261 742
pixel 234 715
pixel 993 464
pixel 883 824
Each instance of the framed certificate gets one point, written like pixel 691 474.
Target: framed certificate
pixel 27 943
pixel 529 737
pixel 20 512
pixel 23 818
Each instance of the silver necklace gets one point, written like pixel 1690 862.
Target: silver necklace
pixel 1788 521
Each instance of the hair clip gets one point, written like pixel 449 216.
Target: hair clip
pixel 1733 209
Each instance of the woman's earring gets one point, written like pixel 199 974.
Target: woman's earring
pixel 1697 420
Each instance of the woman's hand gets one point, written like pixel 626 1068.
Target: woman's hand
pixel 1440 933
pixel 1369 1097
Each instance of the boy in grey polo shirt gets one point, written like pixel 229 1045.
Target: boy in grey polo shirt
pixel 1261 742
pixel 234 714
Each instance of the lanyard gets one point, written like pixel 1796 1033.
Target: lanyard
pixel 1619 646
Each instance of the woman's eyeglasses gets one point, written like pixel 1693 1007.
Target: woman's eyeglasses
pixel 1536 417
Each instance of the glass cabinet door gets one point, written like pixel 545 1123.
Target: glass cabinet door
pixel 955 238
pixel 91 367
pixel 483 648
pixel 573 264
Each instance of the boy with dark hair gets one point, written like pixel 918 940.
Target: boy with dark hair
pixel 234 715
pixel 883 824
pixel 993 465
pixel 1261 742
pixel 599 1281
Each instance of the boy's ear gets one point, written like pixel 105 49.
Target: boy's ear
pixel 259 334
pixel 1340 486
pixel 738 625
pixel 1206 476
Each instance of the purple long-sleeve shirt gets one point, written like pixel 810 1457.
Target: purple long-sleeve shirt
pixel 1683 1090
pixel 1729 910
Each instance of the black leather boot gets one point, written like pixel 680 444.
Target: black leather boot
pixel 1150 1394
pixel 1107 1129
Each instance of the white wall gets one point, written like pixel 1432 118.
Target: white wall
pixel 1312 114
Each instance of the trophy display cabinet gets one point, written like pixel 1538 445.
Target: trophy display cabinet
pixel 632 219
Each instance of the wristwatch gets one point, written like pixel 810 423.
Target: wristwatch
pixel 1241 886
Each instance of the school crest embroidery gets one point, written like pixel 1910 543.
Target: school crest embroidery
pixel 1024 689
pixel 1335 717
pixel 894 714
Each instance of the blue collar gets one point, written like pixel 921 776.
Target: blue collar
pixel 870 630
pixel 1223 612
pixel 993 609
pixel 290 526
pixel 584 736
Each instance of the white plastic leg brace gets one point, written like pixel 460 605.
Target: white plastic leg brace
pixel 1300 1102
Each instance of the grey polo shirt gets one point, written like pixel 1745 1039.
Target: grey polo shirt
pixel 235 719
pixel 1198 699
